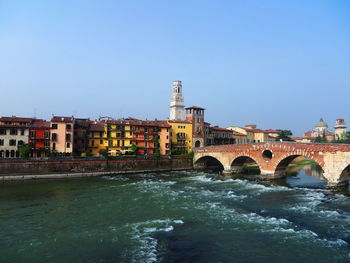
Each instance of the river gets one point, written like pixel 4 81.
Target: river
pixel 188 216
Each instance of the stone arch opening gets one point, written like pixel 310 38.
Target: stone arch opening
pixel 209 162
pixel 12 153
pixel 284 164
pixel 2 154
pixel 7 154
pixel 345 176
pixel 267 155
pixel 245 165
pixel 197 144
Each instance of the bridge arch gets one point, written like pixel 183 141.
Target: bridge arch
pixel 238 164
pixel 345 175
pixel 209 162
pixel 284 162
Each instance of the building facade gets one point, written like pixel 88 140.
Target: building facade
pixel 14 132
pixel 81 136
pixel 62 135
pixel 181 136
pixel 195 115
pixel 39 138
pixel 96 138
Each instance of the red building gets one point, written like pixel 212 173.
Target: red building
pixel 39 138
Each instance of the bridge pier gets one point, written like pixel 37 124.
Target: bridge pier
pixel 271 174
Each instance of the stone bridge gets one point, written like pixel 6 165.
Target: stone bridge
pixel 274 157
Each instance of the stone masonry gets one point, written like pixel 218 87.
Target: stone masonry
pixel 274 157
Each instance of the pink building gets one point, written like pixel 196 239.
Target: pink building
pixel 62 132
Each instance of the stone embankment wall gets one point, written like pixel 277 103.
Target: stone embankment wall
pixel 31 169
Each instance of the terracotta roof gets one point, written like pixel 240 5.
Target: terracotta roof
pixel 163 124
pixel 195 107
pixel 41 124
pixel 272 131
pixel 238 133
pixel 16 119
pixel 186 122
pixel 62 119
pixel 217 128
pixel 97 126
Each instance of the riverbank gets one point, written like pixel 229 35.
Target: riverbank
pixel 11 170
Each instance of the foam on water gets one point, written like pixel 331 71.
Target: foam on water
pixel 145 249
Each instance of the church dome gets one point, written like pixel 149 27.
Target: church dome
pixel 321 124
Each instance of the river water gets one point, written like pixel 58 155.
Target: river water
pixel 189 216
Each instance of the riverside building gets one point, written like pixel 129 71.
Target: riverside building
pixel 14 132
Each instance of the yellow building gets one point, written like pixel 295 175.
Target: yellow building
pixel 181 136
pixel 117 136
pixel 96 138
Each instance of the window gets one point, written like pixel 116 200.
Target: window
pixel 68 145
pixel 101 141
pixel 3 131
pixel 54 126
pixel 1 142
pixel 54 146
pixel 47 143
pixel 12 143
pixel 47 134
pixel 54 136
pixel 13 132
pixel 68 137
pixel 22 132
pixel 69 127
pixel 20 143
pixel 32 134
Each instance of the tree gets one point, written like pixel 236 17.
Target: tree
pixel 24 150
pixel 134 148
pixel 284 135
pixel 104 153
pixel 320 139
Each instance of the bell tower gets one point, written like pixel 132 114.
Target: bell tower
pixel 177 105
pixel 340 129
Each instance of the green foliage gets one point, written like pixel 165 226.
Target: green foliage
pixel 134 148
pixel 284 135
pixel 24 150
pixel 86 154
pixel 320 139
pixel 156 153
pixel 104 153
pixel 345 139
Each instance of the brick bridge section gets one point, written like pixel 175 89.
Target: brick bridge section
pixel 274 157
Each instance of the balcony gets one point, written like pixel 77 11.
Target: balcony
pixel 181 135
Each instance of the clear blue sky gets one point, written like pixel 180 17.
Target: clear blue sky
pixel 278 64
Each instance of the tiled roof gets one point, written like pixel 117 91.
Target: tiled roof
pixel 195 108
pixel 174 121
pixel 97 126
pixel 217 128
pixel 16 119
pixel 41 124
pixel 62 119
pixel 238 133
